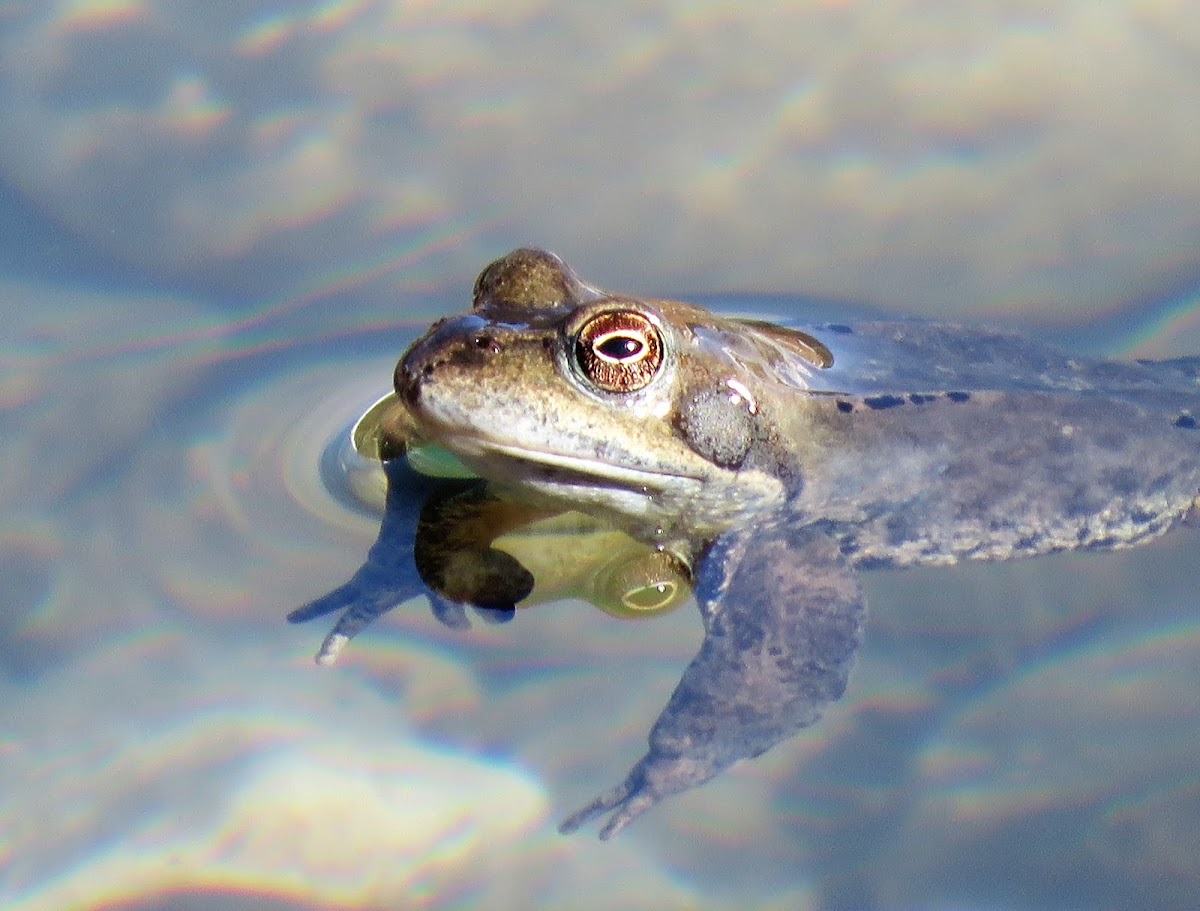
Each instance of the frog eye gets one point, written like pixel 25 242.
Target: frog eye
pixel 643 585
pixel 619 350
pixel 651 598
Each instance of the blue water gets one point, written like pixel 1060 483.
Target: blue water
pixel 175 361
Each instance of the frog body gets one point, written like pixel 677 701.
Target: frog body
pixel 782 460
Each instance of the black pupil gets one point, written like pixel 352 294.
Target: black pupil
pixel 619 347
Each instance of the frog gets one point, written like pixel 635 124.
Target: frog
pixel 782 461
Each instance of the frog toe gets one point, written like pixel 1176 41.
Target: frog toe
pixel 620 800
pixel 336 600
pixel 495 615
pixel 655 777
pixel 450 614
pixel 362 608
pixel 328 653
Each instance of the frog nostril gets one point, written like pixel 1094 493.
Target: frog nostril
pixel 486 343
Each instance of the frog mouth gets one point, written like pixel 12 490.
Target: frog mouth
pixel 569 470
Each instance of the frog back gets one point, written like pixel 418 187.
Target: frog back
pixel 992 474
pixel 881 358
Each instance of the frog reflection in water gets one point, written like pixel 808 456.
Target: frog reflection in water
pixel 448 535
pixel 779 461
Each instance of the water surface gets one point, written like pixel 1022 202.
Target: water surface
pixel 218 233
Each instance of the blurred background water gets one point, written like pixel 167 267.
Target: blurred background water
pixel 221 223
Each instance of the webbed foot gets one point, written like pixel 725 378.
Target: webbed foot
pixel 364 598
pixel 619 799
pixel 652 779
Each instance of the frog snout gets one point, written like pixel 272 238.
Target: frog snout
pixel 406 383
pixel 461 344
pixel 418 363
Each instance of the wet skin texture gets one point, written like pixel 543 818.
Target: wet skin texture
pixel 776 462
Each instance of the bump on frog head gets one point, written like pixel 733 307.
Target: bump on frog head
pixel 529 278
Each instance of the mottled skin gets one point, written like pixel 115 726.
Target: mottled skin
pixel 781 460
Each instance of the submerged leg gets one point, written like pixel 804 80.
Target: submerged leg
pixel 783 618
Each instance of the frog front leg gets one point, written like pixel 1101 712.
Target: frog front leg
pixel 389 576
pixel 783 616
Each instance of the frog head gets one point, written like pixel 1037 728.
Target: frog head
pixel 649 408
